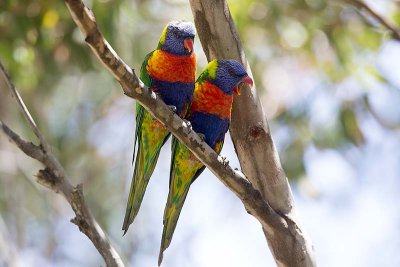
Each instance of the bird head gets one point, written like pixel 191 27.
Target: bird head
pixel 177 38
pixel 228 75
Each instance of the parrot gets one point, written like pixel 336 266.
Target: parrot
pixel 209 116
pixel 170 72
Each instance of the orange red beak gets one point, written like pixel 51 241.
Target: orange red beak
pixel 246 80
pixel 188 44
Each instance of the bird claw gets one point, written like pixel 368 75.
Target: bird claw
pixel 225 161
pixel 173 108
pixel 188 125
pixel 202 136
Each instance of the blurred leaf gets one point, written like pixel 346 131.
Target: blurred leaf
pixel 292 160
pixel 350 125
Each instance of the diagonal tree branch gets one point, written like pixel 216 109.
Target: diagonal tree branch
pixel 394 32
pixel 28 148
pixel 252 137
pixel 21 105
pixel 133 87
pixel 54 178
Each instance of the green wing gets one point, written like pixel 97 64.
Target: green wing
pixel 219 144
pixel 144 75
pixel 146 79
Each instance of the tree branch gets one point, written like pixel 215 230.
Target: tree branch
pixel 252 138
pixel 395 32
pixel 132 87
pixel 21 105
pixel 54 178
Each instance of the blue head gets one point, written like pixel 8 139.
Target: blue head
pixel 177 38
pixel 228 74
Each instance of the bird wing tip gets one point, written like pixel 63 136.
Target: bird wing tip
pixel 125 226
pixel 125 231
pixel 160 257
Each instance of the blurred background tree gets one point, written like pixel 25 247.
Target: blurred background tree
pixel 328 75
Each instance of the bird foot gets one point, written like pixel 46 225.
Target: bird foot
pixel 188 125
pixel 173 108
pixel 225 161
pixel 202 136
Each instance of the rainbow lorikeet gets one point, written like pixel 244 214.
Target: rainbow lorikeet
pixel 170 71
pixel 209 115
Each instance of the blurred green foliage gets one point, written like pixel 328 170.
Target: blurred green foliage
pixel 302 53
pixel 332 41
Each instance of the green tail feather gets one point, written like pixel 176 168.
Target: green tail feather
pixel 139 184
pixel 146 159
pixel 179 186
pixel 171 216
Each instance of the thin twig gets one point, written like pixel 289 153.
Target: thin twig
pixel 27 147
pixel 54 177
pixel 22 106
pixel 395 32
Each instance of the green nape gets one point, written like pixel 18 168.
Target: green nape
pixel 162 38
pixel 209 72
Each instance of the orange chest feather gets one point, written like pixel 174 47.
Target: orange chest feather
pixel 167 67
pixel 208 98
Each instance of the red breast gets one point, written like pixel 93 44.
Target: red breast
pixel 167 67
pixel 208 98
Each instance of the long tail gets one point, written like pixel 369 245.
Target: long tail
pixel 140 179
pixel 171 216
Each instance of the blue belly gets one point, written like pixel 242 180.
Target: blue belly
pixel 174 94
pixel 213 127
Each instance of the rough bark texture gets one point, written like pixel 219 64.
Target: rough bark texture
pixel 252 138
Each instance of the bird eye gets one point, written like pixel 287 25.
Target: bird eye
pixel 232 72
pixel 177 35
